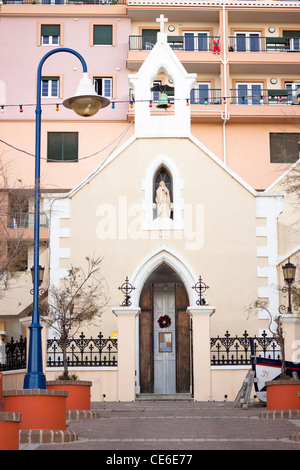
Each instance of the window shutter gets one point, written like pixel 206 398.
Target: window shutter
pixel 62 146
pixel 103 34
pixel 284 148
pixel 291 34
pixel 50 30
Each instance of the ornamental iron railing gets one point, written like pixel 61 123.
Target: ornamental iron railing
pixel 84 352
pixel 226 350
pixel 13 354
pixel 236 350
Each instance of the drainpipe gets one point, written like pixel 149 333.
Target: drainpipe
pixel 225 114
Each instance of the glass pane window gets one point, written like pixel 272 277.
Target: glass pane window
pixel 248 42
pixel 249 93
pixel 50 34
pixel 196 41
pixel 50 87
pixel 200 94
pixel 103 86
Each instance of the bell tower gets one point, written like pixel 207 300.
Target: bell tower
pixel 167 123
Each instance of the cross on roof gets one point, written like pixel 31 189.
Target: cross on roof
pixel 161 20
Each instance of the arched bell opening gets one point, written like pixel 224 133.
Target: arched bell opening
pixel 164 334
pixel 162 91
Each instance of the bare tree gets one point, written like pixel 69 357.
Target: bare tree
pixel 278 334
pixel 14 218
pixel 81 298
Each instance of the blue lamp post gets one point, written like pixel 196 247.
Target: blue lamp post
pixel 86 103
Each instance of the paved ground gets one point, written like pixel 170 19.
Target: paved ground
pixel 176 426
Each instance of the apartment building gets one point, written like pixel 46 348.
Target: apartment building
pixel 227 135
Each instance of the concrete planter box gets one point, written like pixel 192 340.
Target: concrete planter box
pixel 79 393
pixel 40 409
pixel 9 430
pixel 283 395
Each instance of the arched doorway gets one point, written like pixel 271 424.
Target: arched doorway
pixel 164 334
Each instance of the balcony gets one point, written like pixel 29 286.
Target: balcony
pixel 248 104
pixel 256 43
pixel 192 51
pixel 178 43
pixel 24 222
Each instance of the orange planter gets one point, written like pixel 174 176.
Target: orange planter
pixel 9 430
pixel 283 395
pixel 79 393
pixel 40 409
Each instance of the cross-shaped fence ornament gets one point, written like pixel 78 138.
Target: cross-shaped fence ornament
pixel 200 287
pixel 162 20
pixel 126 288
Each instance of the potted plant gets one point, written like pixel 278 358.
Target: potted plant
pixel 80 299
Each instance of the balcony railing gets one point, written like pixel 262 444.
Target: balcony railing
pixel 179 43
pixel 255 43
pixel 25 220
pixel 259 96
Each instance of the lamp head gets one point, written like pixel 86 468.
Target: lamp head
pixel 86 102
pixel 289 270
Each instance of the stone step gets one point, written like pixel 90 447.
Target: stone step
pixel 82 414
pixel 45 436
pixel 164 397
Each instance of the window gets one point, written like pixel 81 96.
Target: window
pixel 162 175
pixel 62 147
pixel 201 94
pixel 50 87
pixel 249 93
pixel 102 35
pixel 248 42
pixel 196 41
pixel 292 88
pixel 50 34
pixel 149 38
pixel 294 40
pixel 103 86
pixel 284 148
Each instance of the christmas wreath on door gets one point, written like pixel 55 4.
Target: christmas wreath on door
pixel 164 321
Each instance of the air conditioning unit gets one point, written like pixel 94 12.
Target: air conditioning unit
pixel 296 93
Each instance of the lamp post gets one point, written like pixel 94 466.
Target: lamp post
pixel 289 271
pixel 86 103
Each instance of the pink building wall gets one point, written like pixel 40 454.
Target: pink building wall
pixel 21 53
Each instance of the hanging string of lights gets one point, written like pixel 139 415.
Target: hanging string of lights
pixel 131 103
pixel 241 99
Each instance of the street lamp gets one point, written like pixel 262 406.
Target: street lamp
pixel 289 271
pixel 86 103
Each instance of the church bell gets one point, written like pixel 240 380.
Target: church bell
pixel 162 101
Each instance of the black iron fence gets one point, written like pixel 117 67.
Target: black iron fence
pixel 13 354
pixel 236 350
pixel 226 350
pixel 84 352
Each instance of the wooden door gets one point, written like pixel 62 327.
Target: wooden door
pixel 146 340
pixel 182 340
pixel 183 343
